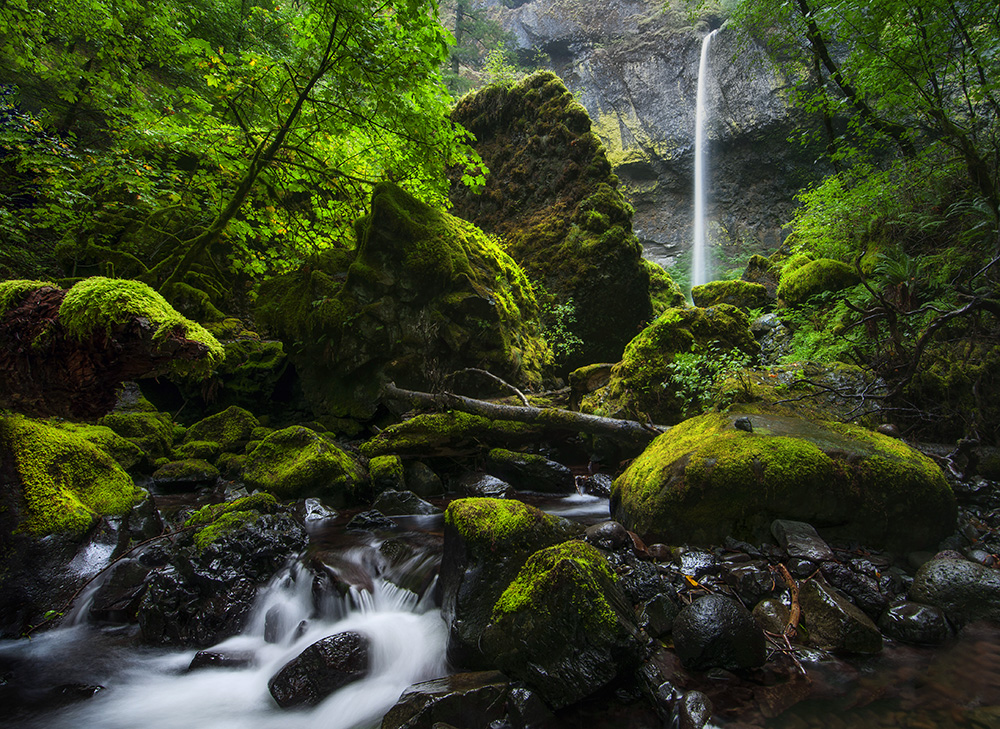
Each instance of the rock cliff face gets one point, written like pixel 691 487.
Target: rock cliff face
pixel 634 67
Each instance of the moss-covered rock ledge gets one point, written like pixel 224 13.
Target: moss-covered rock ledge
pixel 706 479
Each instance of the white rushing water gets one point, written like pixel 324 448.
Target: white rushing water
pixel 152 689
pixel 700 261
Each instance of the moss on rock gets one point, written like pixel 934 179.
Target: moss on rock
pixel 219 519
pixel 297 461
pixel 664 293
pixel 639 386
pixel 231 429
pixel 151 431
pixel 815 277
pixel 552 197
pixel 447 433
pixel 386 473
pixel 13 292
pixel 125 452
pixel 741 294
pixel 705 480
pixel 66 481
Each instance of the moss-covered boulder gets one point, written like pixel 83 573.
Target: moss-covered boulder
pixel 425 295
pixel 59 482
pixel 552 197
pixel 451 433
pixel 386 473
pixel 563 625
pixel 184 475
pixel 127 453
pixel 643 385
pixel 297 461
pixel 218 520
pixel 231 429
pixel 486 542
pixel 798 283
pixel 706 479
pixel 763 271
pixel 741 294
pixel 152 432
pixel 664 293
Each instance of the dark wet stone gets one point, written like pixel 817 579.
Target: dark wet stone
pixel 771 614
pixel 694 711
pixel 597 484
pixel 371 520
pixel 718 632
pixel 530 472
pixel 402 503
pixel 752 581
pixel 736 545
pixel 912 622
pixel 421 479
pixel 863 589
pixel 321 669
pixel 660 552
pixel 609 535
pixel 525 709
pixel 315 510
pixel 834 622
pixel 487 486
pixel 656 615
pixel 800 539
pixel 800 568
pixel 966 591
pixel 117 599
pixel 71 693
pixel 221 659
pixel 696 563
pixel 468 700
pixel 743 423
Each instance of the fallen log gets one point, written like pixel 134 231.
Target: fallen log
pixel 629 433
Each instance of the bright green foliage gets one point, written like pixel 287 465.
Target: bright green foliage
pixel 12 293
pixel 101 303
pixel 66 481
pixel 695 378
pixel 151 431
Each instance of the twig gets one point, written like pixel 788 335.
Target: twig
pixel 795 611
pixel 491 376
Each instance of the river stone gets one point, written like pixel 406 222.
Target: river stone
pixel 771 615
pixel 609 535
pixel 117 599
pixel 966 591
pixel 222 659
pixel 402 503
pixel 486 542
pixel 834 622
pixel 911 622
pixel 801 540
pixel 656 615
pixel 563 625
pixel 486 486
pixel 421 479
pixel 705 480
pixel 184 475
pixel 718 632
pixel 468 700
pixel 694 710
pixel 530 472
pixel 321 669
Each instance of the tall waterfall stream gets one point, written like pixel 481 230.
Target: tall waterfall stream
pixel 701 263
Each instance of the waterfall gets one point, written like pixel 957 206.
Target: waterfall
pixel 700 263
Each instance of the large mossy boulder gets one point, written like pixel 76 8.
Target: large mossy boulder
pixel 552 197
pixel 799 282
pixel 706 479
pixel 563 626
pixel 640 385
pixel 486 542
pixel 451 433
pixel 231 429
pixel 296 462
pixel 426 294
pixel 738 293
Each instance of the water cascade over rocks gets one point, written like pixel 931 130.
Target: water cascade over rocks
pixel 700 259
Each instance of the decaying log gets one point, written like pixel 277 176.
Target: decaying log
pixel 626 432
pixel 46 372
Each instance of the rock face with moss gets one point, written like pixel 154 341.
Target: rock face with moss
pixel 486 542
pixel 640 385
pixel 450 433
pixel 297 461
pixel 738 293
pixel 65 352
pixel 705 480
pixel 425 295
pixel 553 199
pixel 799 282
pixel 563 625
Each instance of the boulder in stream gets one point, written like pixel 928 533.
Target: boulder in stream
pixel 321 669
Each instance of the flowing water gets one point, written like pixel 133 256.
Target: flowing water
pixel 701 263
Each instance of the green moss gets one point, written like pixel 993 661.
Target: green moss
pixel 231 428
pixel 706 479
pixel 452 432
pixel 492 521
pixel 663 290
pixel 742 294
pixel 574 560
pixel 296 462
pixel 125 452
pixel 794 263
pixel 187 471
pixel 225 524
pixel 151 431
pixel 98 303
pixel 386 472
pixel 13 292
pixel 259 502
pixel 815 277
pixel 66 481
pixel 204 449
pixel 231 465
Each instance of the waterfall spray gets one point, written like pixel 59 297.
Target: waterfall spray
pixel 700 264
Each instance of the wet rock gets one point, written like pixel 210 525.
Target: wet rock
pixel 117 599
pixel 801 540
pixel 704 480
pixel 400 503
pixel 966 591
pixel 771 614
pixel 596 484
pixel 487 486
pixel 656 615
pixel 563 626
pixel 834 622
pixel 530 472
pixel 864 590
pixel 752 581
pixel 718 632
pixel 525 708
pixel 315 510
pixel 468 700
pixel 421 479
pixel 386 472
pixel 609 535
pixel 486 542
pixel 321 669
pixel 912 622
pixel 221 659
pixel 694 711
pixel 371 520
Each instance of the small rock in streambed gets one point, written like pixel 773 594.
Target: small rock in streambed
pixel 370 521
pixel 220 659
pixel 321 669
pixel 530 472
pixel 718 632
pixel 402 503
pixel 912 622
